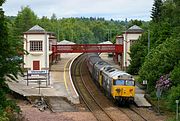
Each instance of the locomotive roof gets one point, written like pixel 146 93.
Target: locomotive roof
pixel 101 64
pixel 93 58
pixel 121 74
pixel 109 70
pixel 117 74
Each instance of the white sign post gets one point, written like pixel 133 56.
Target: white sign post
pixel 146 83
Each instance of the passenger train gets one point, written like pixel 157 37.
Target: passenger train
pixel 116 84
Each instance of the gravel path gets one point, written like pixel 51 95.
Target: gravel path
pixel 33 114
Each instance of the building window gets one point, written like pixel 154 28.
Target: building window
pixel 35 45
pixel 132 41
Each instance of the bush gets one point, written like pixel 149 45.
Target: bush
pixel 3 117
pixel 175 75
pixel 174 94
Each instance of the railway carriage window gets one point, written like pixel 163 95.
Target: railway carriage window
pixel 119 82
pixel 129 82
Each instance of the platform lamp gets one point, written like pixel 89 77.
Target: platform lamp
pixel 177 113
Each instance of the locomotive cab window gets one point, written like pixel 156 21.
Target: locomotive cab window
pixel 119 82
pixel 129 82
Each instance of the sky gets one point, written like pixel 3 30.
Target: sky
pixel 115 9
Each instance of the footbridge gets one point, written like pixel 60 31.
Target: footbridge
pixel 116 49
pixel 88 48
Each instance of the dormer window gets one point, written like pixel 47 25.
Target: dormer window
pixel 36 46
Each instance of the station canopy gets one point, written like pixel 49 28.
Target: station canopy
pixel 65 42
pixel 106 42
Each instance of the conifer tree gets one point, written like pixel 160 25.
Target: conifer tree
pixel 156 10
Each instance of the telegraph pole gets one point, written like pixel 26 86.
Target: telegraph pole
pixel 125 46
pixel 148 41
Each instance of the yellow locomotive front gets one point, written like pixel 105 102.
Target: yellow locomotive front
pixel 123 89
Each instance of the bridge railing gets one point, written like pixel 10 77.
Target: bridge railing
pixel 87 48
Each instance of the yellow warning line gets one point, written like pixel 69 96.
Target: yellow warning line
pixel 65 82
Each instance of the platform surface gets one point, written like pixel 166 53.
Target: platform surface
pixel 60 83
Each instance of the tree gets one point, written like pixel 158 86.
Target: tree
pixel 135 22
pixel 157 10
pixel 25 19
pixel 53 17
pixel 138 54
pixel 173 96
pixel 99 31
pixel 160 61
pixel 175 75
pixel 176 18
pixel 9 65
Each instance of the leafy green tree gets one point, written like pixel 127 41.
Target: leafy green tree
pixel 173 96
pixel 175 75
pixel 9 64
pixel 99 30
pixel 175 19
pixel 46 23
pixel 134 22
pixel 25 19
pixel 160 61
pixel 138 54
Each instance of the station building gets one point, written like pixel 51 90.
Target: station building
pixel 38 44
pixel 128 38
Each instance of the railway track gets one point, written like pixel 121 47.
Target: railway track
pixel 85 94
pixel 133 113
pixel 101 107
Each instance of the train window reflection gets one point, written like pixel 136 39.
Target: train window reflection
pixel 130 82
pixel 119 82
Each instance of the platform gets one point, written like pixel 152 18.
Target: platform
pixel 60 82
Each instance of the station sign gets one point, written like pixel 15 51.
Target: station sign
pixel 38 72
pixel 38 76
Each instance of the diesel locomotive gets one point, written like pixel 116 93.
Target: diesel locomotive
pixel 116 84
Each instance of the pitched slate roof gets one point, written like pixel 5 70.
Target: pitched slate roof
pixel 36 28
pixel 135 28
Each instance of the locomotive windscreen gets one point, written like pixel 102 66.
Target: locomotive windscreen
pixel 119 82
pixel 124 82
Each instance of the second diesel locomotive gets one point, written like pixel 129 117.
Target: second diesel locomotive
pixel 117 84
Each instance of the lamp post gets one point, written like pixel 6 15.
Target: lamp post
pixel 177 113
pixel 125 46
pixel 148 41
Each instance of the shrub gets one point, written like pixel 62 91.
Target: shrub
pixel 175 75
pixel 174 94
